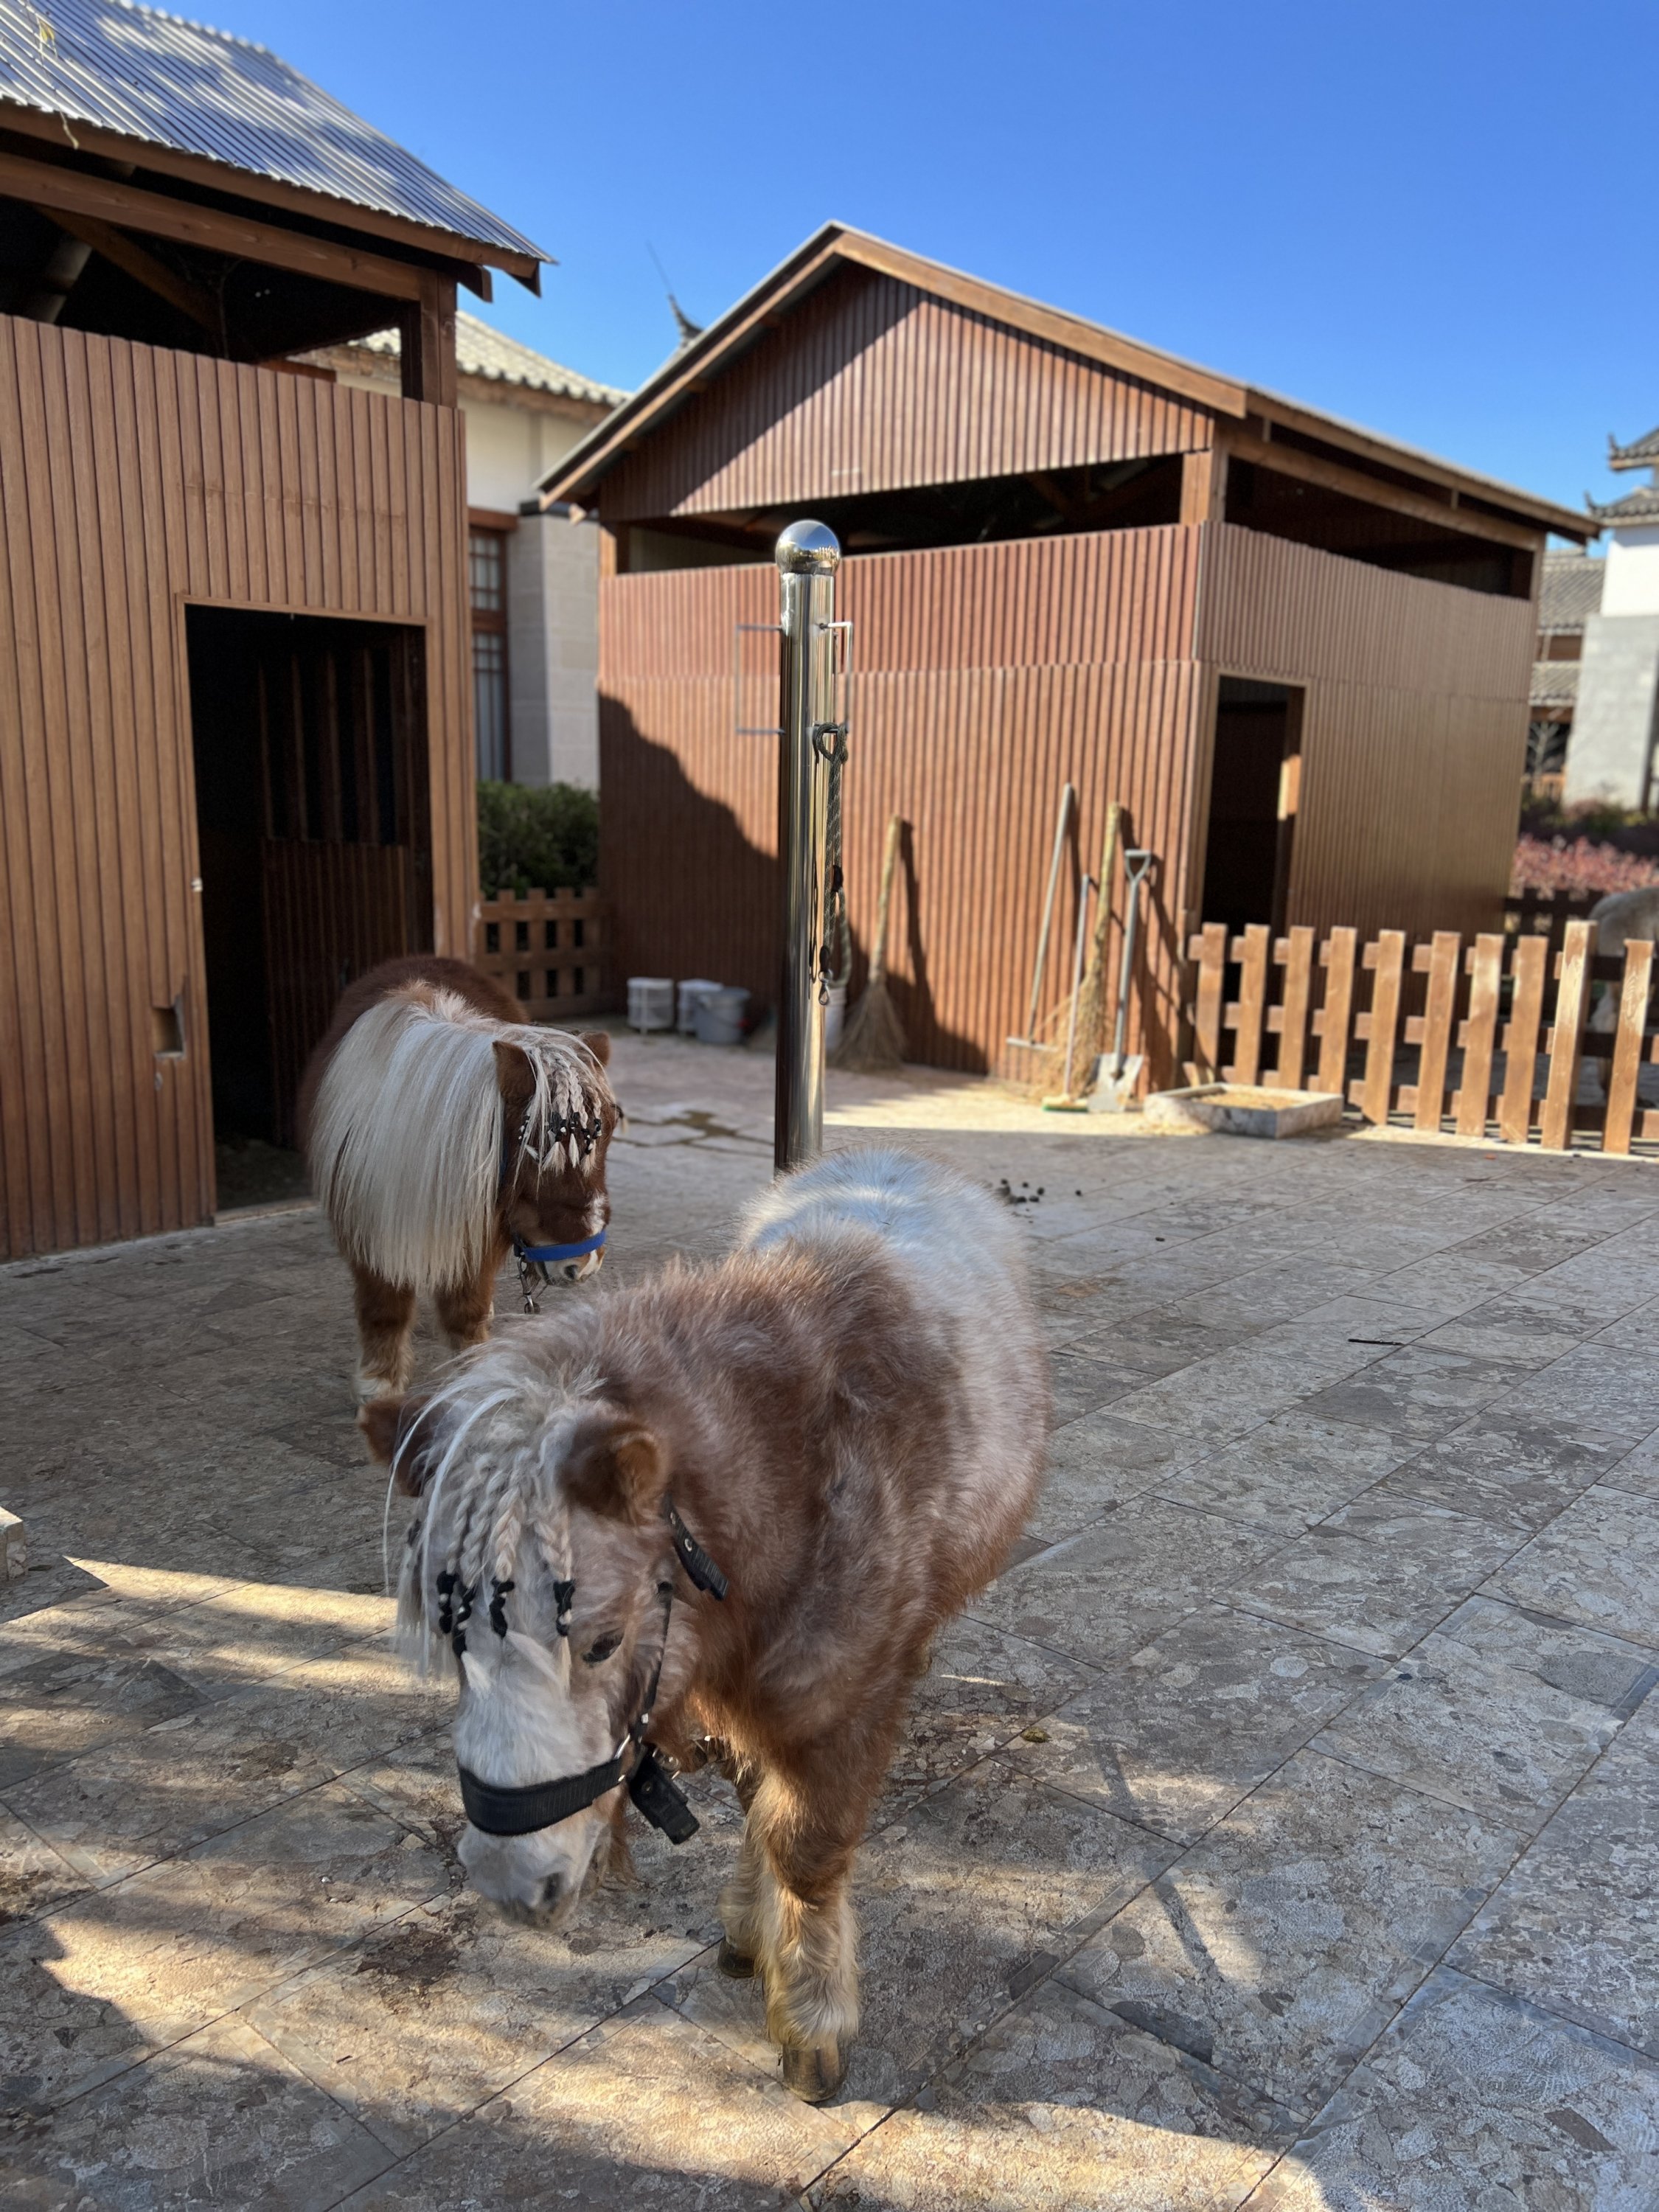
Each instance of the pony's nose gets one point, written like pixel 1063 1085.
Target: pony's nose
pixel 589 1264
pixel 552 1890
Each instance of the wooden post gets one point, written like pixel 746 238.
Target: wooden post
pixel 1210 950
pixel 1437 1017
pixel 1479 1036
pixel 1521 1039
pixel 428 327
pixel 1566 1042
pixel 1203 485
pixel 1254 955
pixel 1377 1086
pixel 1626 1066
pixel 1299 949
pixel 1335 1017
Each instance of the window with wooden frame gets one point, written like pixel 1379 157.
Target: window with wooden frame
pixel 487 584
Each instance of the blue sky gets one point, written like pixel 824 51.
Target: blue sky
pixel 1436 220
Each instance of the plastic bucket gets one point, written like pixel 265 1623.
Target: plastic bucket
pixel 719 1016
pixel 693 992
pixel 835 1017
pixel 650 1002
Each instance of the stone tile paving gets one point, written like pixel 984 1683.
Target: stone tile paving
pixel 1280 1830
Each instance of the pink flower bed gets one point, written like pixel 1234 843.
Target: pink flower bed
pixel 1556 864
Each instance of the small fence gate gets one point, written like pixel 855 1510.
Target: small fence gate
pixel 1484 1038
pixel 548 948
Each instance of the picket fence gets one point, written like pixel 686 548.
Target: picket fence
pixel 550 949
pixel 1485 1038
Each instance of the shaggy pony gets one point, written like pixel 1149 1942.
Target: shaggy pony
pixel 443 1130
pixel 848 1416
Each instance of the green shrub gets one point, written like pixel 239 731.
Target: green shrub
pixel 534 837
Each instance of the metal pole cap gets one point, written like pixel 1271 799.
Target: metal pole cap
pixel 809 549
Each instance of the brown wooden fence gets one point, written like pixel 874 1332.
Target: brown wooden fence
pixel 1484 1038
pixel 550 948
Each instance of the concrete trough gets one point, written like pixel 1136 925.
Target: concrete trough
pixel 1243 1110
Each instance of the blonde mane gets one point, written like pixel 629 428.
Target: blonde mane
pixel 479 1512
pixel 407 1143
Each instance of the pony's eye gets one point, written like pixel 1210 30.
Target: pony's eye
pixel 600 1652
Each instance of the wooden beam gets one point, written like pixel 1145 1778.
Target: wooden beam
pixel 73 192
pixel 427 343
pixel 1544 514
pixel 1354 484
pixel 294 199
pixel 194 300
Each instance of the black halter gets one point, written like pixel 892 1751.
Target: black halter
pixel 535 1805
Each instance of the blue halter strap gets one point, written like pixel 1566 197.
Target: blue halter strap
pixel 543 1253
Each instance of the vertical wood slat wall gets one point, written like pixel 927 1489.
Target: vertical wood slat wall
pixel 985 679
pixel 131 481
pixel 1413 736
pixel 988 676
pixel 872 385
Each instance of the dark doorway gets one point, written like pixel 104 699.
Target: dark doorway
pixel 315 835
pixel 1254 778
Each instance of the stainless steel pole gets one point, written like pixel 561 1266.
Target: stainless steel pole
pixel 808 556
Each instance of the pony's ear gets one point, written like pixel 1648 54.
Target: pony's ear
pixel 599 1043
pixel 398 1438
pixel 512 1076
pixel 615 1467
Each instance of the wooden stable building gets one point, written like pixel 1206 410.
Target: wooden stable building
pixel 1299 653
pixel 235 714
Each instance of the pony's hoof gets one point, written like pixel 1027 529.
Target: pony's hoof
pixel 813 2071
pixel 736 1963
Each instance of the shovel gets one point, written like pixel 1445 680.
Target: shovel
pixel 1114 1091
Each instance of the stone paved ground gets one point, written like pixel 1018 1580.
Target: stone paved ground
pixel 1283 1827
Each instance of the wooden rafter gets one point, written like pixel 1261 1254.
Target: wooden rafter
pixel 75 191
pixel 1354 483
pixel 192 299
pixel 273 192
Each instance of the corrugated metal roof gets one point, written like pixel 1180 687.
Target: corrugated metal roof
pixel 1570 591
pixel 480 351
pixel 173 83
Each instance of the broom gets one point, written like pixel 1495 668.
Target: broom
pixel 872 1038
pixel 1088 1030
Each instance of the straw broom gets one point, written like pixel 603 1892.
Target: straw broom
pixel 1089 1033
pixel 873 1038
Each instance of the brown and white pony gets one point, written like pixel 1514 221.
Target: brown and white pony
pixel 443 1131
pixel 1619 917
pixel 731 1506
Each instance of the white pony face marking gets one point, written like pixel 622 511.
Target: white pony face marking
pixel 534 1488
pixel 518 1722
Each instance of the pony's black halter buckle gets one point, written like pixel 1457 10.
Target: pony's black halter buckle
pixel 536 1805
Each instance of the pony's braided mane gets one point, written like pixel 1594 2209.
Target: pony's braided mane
pixel 495 1489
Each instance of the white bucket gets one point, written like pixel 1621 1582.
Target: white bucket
pixel 650 1002
pixel 835 1017
pixel 719 1016
pixel 693 992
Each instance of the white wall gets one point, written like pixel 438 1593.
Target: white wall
pixel 1633 580
pixel 552 589
pixel 553 650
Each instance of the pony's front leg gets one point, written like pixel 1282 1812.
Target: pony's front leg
pixel 467 1310
pixel 386 1326
pixel 805 1829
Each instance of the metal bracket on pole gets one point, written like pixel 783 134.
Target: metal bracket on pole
pixel 808 556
